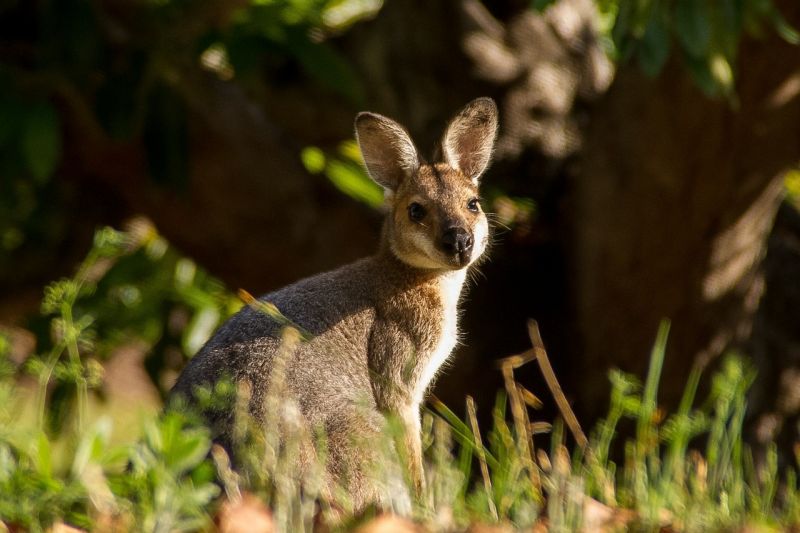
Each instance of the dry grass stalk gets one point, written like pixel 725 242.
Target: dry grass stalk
pixel 540 354
pixel 521 424
pixel 487 481
pixel 229 478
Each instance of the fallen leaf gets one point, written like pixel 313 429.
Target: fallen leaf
pixel 389 523
pixel 61 527
pixel 600 517
pixel 248 515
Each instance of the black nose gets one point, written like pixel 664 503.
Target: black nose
pixel 456 241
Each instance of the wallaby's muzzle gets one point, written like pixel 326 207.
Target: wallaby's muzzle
pixel 457 243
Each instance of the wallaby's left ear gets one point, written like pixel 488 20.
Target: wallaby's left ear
pixel 469 139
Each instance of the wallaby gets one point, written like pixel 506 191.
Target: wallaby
pixel 380 328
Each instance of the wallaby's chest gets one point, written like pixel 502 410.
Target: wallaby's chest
pixel 446 337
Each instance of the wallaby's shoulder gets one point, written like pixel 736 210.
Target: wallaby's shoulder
pixel 315 304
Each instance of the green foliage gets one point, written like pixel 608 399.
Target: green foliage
pixel 30 151
pixel 706 34
pixel 128 289
pixel 345 170
pixel 170 482
pixel 30 130
pixel 32 496
pixel 162 483
pixel 278 33
pixel 541 5
pixel 41 141
pixel 132 287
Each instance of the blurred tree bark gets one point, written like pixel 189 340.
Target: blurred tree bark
pixel 671 213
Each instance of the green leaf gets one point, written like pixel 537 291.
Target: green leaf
pixel 153 438
pixel 41 141
pixel 313 159
pixel 339 15
pixel 784 29
pixel 351 179
pixel 188 451
pixel 693 27
pixel 10 115
pixel 44 455
pixel 200 328
pixel 7 463
pixel 92 445
pixel 202 495
pixel 722 72
pixel 621 31
pixel 203 473
pixel 541 5
pixel 792 184
pixel 327 66
pixel 654 47
pixel 703 77
pixel 727 23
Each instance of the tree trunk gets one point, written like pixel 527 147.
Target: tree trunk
pixel 671 210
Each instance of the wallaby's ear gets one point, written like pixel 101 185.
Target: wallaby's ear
pixel 469 139
pixel 388 152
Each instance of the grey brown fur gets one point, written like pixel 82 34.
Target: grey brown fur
pixel 380 328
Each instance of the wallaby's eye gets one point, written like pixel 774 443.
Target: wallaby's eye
pixel 472 205
pixel 416 212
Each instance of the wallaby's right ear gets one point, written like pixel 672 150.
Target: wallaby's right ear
pixel 388 152
pixel 469 139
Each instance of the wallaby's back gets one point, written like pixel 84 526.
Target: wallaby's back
pixel 336 309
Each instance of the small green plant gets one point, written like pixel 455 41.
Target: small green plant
pixel 47 475
pixel 131 288
pixel 170 482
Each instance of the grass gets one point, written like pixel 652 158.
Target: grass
pixel 689 470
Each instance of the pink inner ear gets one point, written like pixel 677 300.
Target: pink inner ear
pixel 469 138
pixel 470 151
pixel 387 150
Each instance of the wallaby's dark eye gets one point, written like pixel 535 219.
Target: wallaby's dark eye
pixel 472 205
pixel 416 212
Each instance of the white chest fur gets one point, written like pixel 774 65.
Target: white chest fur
pixel 450 287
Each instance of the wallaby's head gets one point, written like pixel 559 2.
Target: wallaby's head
pixel 435 220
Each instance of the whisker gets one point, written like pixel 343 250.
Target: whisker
pixel 476 273
pixel 494 219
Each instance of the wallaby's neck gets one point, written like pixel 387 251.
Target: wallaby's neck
pixel 430 305
pixel 408 276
